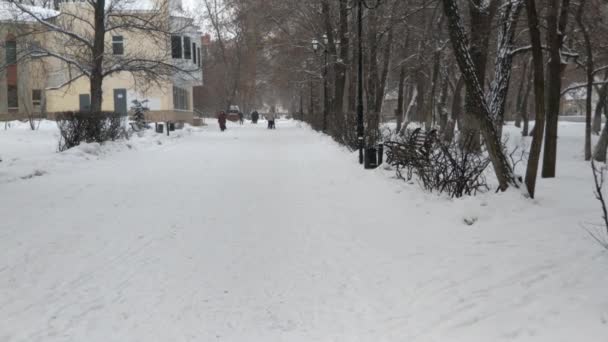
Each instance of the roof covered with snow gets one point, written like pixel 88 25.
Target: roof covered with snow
pixel 10 12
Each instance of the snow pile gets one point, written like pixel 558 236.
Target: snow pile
pixel 10 12
pixel 24 152
pixel 279 235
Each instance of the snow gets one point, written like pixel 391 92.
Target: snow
pixel 10 12
pixel 258 235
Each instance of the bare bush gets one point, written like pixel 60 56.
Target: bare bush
pixel 599 176
pixel 77 127
pixel 438 166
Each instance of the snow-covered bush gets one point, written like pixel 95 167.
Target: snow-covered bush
pixel 77 127
pixel 438 166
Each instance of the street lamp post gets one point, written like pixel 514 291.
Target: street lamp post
pixel 360 127
pixel 360 81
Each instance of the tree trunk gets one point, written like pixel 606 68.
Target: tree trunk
pixel 539 97
pixel 443 97
pixel 525 114
pixel 599 153
pixel 589 72
pixel 520 94
pixel 386 57
pixel 597 117
pixel 456 110
pixel 509 13
pixel 340 64
pixel 460 44
pixel 399 110
pixel 96 79
pixel 555 30
pixel 429 117
pixel 481 20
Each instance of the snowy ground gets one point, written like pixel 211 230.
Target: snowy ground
pixel 257 235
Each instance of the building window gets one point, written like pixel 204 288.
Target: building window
pixel 180 99
pixel 187 50
pixel 118 45
pixel 13 98
pixel 36 97
pixel 11 52
pixel 176 46
pixel 199 57
pixel 194 53
pixel 36 49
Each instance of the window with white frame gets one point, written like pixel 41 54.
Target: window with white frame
pixel 181 99
pixel 118 45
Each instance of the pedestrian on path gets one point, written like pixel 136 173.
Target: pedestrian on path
pixel 255 116
pixel 241 120
pixel 221 119
pixel 270 117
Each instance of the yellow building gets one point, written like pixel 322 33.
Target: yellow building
pixel 49 85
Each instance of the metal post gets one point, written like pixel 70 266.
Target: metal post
pixel 360 128
pixel 325 105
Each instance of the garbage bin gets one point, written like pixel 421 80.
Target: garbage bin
pixel 171 126
pixel 160 128
pixel 371 160
pixel 380 154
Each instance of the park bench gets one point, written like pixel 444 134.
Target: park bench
pixel 415 146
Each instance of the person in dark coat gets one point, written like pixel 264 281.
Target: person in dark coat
pixel 241 119
pixel 255 116
pixel 221 119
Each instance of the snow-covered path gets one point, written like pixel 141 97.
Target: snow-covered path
pixel 257 235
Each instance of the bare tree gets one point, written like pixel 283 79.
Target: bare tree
pixel 502 166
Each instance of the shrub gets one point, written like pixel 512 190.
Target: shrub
pixel 77 127
pixel 438 166
pixel 139 117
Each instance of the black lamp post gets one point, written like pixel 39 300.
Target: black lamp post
pixel 360 127
pixel 360 132
pixel 315 46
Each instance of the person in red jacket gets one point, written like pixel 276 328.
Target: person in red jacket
pixel 221 119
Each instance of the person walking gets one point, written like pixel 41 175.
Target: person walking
pixel 255 116
pixel 241 119
pixel 270 117
pixel 221 119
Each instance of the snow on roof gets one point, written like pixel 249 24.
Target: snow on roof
pixel 134 5
pixel 10 12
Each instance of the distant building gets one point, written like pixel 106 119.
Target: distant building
pixel 40 86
